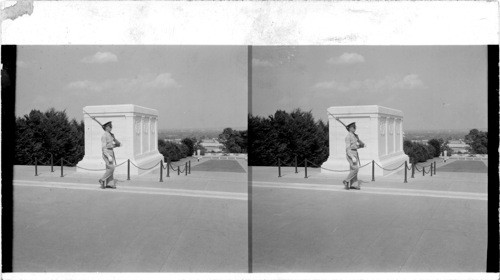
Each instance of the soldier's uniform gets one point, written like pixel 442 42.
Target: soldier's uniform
pixel 352 146
pixel 108 143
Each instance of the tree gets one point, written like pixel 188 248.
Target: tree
pixel 286 135
pixel 436 144
pixel 198 146
pixel 234 141
pixel 418 152
pixel 38 135
pixel 478 141
pixel 189 142
pixel 172 150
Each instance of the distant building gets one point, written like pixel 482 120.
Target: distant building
pixel 212 145
pixel 177 141
pixel 420 141
pixel 458 146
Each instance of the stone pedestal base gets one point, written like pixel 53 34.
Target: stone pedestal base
pixel 387 162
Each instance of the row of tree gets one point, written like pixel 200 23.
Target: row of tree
pixel 176 151
pixel 173 151
pixel 286 135
pixel 40 135
pixel 234 141
pixel 418 152
pixel 282 135
pixel 478 141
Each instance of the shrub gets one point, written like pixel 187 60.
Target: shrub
pixel 172 150
pixel 38 135
pixel 286 135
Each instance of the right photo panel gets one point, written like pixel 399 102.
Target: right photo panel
pixel 369 158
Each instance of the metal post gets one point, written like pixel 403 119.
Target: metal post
pixel 373 170
pixel 305 162
pixel 186 168
pixel 62 168
pixel 128 169
pixel 296 171
pixel 279 168
pixel 423 170
pixel 36 167
pixel 168 167
pixel 432 165
pixel 178 170
pixel 161 170
pixel 435 167
pixel 51 163
pixel 413 170
pixel 189 172
pixel 406 171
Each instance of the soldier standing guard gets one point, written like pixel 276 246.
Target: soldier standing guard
pixel 352 143
pixel 109 142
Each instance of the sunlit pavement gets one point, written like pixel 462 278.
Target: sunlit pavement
pixel 194 223
pixel 430 224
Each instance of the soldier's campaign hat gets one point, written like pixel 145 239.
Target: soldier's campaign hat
pixel 351 124
pixel 106 124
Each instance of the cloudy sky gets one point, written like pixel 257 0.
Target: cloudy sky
pixel 190 86
pixel 436 87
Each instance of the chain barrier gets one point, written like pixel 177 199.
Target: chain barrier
pixel 180 170
pixel 42 163
pixel 315 165
pixel 143 168
pixel 173 169
pixel 63 162
pixel 91 169
pixel 420 170
pixel 412 167
pixel 121 163
pixel 364 165
pixel 392 169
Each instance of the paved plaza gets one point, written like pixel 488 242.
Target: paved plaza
pixel 430 224
pixel 194 223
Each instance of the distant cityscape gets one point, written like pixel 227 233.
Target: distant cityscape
pixel 455 138
pixel 208 133
pixel 449 134
pixel 209 137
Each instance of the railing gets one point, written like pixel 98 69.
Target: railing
pixel 186 167
pixel 431 168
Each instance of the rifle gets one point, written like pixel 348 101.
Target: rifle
pixel 357 137
pixel 93 118
pixel 112 135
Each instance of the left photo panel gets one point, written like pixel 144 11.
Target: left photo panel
pixel 128 159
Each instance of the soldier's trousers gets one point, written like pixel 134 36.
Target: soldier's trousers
pixel 110 169
pixel 354 167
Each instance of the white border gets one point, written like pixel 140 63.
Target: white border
pixel 256 23
pixel 252 276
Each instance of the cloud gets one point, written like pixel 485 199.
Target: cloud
pixel 408 82
pixel 347 58
pixel 100 57
pixel 261 63
pixel 160 81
